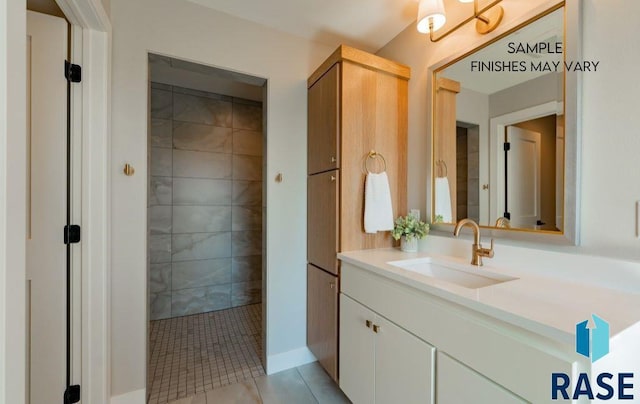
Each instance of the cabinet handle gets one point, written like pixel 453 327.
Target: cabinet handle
pixel 333 159
pixel 376 328
pixel 333 178
pixel 368 323
pixel 332 285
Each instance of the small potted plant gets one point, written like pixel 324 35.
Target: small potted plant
pixel 409 230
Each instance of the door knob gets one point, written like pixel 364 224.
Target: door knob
pixel 333 159
pixel 333 178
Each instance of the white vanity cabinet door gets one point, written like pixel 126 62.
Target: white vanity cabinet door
pixel 380 362
pixel 457 384
pixel 404 366
pixel 357 351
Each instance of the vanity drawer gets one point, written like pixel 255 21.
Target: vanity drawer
pixel 510 356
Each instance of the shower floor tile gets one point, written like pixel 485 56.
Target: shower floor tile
pixel 201 352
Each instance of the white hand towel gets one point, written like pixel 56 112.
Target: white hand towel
pixel 443 199
pixel 378 212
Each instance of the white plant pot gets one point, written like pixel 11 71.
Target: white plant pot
pixel 409 245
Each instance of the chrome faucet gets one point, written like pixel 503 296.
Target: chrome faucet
pixel 477 252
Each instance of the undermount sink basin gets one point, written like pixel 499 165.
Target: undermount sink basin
pixel 451 272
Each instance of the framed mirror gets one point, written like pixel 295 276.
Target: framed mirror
pixel 504 130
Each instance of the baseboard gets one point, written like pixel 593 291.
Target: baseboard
pixel 287 360
pixel 132 397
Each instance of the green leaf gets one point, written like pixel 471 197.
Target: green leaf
pixel 409 227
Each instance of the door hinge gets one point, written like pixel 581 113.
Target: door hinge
pixel 72 394
pixel 71 234
pixel 72 73
pixel 507 146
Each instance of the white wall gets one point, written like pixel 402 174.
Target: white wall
pixel 187 31
pixel 610 184
pixel 525 95
pixel 12 199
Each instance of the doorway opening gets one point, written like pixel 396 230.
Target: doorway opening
pixel 527 175
pixel 530 173
pixel 467 171
pixel 206 215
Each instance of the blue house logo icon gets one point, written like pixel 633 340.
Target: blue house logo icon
pixel 592 343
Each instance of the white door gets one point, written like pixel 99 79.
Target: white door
pixel 357 351
pixel 523 177
pixel 46 210
pixel 404 366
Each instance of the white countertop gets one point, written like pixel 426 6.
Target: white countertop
pixel 544 305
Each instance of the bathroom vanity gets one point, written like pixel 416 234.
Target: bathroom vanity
pixel 423 328
pixel 429 327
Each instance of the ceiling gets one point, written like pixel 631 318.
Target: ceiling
pixel 367 24
pixel 176 72
pixel 46 7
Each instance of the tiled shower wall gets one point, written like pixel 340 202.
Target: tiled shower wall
pixel 205 202
pixel 473 173
pixel 462 168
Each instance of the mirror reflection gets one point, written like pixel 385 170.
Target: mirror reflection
pixel 498 145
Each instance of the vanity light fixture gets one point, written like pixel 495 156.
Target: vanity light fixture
pixel 432 17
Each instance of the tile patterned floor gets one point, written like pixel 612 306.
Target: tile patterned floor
pixel 202 352
pixel 305 384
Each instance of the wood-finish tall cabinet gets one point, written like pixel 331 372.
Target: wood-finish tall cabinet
pixel 357 103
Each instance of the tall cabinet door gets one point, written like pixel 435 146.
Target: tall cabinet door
pixel 322 220
pixel 322 318
pixel 323 123
pixel 404 366
pixel 357 351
